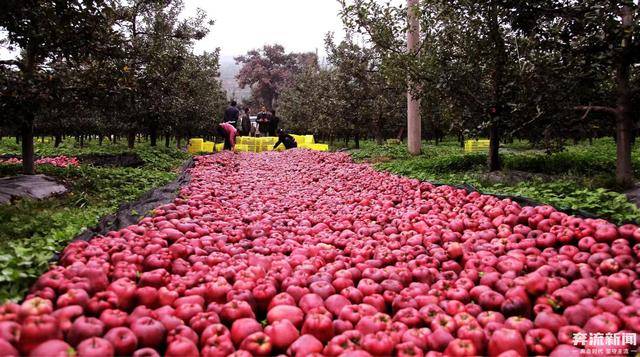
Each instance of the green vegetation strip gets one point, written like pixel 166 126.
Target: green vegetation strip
pixel 578 179
pixel 32 231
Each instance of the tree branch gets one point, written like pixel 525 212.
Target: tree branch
pixel 596 108
pixel 10 63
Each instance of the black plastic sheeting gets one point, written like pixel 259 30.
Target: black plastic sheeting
pixel 525 201
pixel 130 213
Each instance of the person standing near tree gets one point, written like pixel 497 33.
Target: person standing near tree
pixel 245 122
pixel 263 119
pixel 231 114
pixel 273 123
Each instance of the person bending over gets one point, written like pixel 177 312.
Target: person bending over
pixel 287 140
pixel 228 132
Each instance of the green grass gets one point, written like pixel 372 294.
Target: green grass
pixel 33 231
pixel 578 180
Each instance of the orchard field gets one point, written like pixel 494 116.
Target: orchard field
pixel 480 197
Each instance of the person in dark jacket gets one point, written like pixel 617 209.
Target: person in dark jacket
pixel 232 114
pixel 273 124
pixel 263 119
pixel 287 140
pixel 245 123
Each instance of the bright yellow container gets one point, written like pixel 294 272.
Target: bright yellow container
pixel 195 145
pixel 309 139
pixel 318 147
pixel 207 146
pixel 476 145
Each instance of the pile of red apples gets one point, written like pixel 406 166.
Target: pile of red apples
pixel 307 253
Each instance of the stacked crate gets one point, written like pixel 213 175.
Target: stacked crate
pixel 195 145
pixel 476 145
pixel 251 144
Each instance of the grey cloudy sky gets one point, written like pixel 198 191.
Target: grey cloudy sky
pixel 242 25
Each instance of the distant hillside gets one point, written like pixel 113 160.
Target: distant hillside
pixel 228 71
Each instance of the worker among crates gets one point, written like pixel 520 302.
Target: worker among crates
pixel 287 140
pixel 228 132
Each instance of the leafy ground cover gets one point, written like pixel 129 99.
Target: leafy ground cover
pixel 32 231
pixel 580 178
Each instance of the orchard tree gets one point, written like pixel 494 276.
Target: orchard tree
pixel 455 37
pixel 200 98
pixel 354 96
pixel 371 99
pixel 45 30
pixel 597 47
pixel 266 71
pixel 156 42
pixel 317 117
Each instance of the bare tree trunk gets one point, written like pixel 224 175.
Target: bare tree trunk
pixel 356 139
pixel 379 130
pixel 414 130
pixel 179 141
pixel 494 148
pixel 57 140
pixel 28 166
pixel 167 140
pixel 153 134
pixel 27 125
pixel 131 139
pixel 624 123
pixel 499 58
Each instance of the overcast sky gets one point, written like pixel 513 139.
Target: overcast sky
pixel 242 25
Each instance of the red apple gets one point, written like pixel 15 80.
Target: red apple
pixel 504 340
pixel 150 332
pixel 182 347
pixel 282 333
pixel 258 344
pixel 95 347
pixel 123 340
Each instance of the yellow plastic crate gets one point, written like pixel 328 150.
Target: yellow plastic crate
pixel 195 148
pixel 207 146
pixel 318 147
pixel 241 148
pixel 195 145
pixel 476 145
pixel 300 139
pixel 308 139
pixel 218 147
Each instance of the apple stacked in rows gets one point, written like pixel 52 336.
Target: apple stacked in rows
pixel 305 253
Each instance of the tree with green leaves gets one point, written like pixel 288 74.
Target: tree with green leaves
pixel 595 47
pixel 45 31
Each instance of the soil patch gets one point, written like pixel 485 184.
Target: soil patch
pixel 513 177
pixel 29 186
